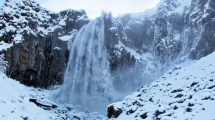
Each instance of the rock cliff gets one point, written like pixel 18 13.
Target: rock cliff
pixel 36 41
pixel 166 35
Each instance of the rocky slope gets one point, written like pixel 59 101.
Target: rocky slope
pixel 34 41
pixel 186 92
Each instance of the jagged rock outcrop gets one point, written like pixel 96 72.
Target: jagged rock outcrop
pixel 37 39
pixel 181 28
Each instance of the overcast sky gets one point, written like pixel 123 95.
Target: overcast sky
pixel 94 7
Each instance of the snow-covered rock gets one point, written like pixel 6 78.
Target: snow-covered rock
pixel 147 44
pixel 184 92
pixel 29 35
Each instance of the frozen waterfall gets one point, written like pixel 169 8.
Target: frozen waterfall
pixel 87 81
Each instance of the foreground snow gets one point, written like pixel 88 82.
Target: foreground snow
pixel 182 93
pixel 15 105
pixel 14 101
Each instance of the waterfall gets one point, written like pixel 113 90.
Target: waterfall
pixel 87 81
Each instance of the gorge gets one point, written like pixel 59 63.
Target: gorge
pixel 97 62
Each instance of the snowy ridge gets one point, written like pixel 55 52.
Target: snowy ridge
pixel 182 93
pixel 174 6
pixel 19 17
pixel 26 17
pixel 22 16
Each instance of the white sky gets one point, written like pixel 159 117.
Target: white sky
pixel 94 8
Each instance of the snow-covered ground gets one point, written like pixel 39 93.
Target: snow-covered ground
pixel 186 92
pixel 15 105
pixel 14 101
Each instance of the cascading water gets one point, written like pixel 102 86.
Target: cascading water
pixel 87 81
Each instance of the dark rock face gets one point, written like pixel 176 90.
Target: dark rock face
pixel 204 22
pixel 112 112
pixel 38 55
pixel 186 32
pixel 112 38
pixel 124 43
pixel 34 62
